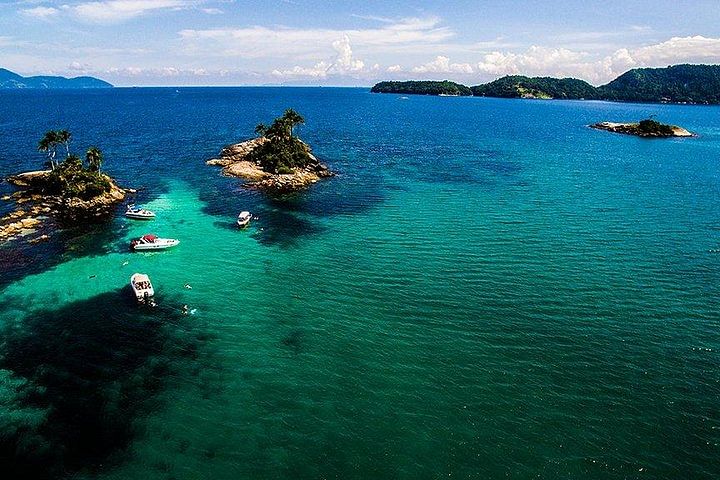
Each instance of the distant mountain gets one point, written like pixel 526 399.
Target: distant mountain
pixel 676 84
pixel 422 88
pixel 10 79
pixel 517 86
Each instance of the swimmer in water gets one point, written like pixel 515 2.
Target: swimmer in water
pixel 185 309
pixel 188 286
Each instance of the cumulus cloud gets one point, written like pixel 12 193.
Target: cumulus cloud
pixel 442 65
pixel 537 60
pixel 343 64
pixel 344 61
pixel 564 62
pixel 77 67
pixel 394 69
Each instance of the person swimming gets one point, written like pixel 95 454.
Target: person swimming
pixel 185 309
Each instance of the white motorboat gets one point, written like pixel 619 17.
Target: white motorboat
pixel 152 242
pixel 142 288
pixel 243 220
pixel 139 213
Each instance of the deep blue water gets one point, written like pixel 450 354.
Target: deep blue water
pixel 488 289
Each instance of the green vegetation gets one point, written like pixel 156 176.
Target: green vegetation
pixel 653 127
pixel 70 177
pixel 517 86
pixel 676 84
pixel 283 152
pixel 422 88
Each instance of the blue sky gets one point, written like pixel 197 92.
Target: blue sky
pixel 308 42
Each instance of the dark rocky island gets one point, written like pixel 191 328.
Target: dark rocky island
pixel 69 191
pixel 691 84
pixel 645 128
pixel 276 161
pixel 12 80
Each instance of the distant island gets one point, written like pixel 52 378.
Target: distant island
pixel 518 86
pixel 648 128
pixel 276 161
pixel 68 190
pixel 445 87
pixel 11 80
pixel 691 84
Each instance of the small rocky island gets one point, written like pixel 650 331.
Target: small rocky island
pixel 645 128
pixel 276 161
pixel 69 190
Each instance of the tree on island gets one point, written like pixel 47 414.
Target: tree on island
pixel 283 152
pixel 48 144
pixel 71 178
pixel 94 158
pixel 64 137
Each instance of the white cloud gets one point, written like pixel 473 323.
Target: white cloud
pixel 40 12
pixel 564 62
pixel 343 64
pixel 282 42
pixel 680 49
pixel 79 68
pixel 394 69
pixel 442 64
pixel 111 11
pixel 212 11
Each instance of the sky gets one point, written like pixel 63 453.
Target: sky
pixel 319 42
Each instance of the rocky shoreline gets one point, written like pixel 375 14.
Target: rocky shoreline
pixel 234 163
pixel 634 129
pixel 35 210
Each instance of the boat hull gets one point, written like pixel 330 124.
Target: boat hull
pixel 139 216
pixel 158 245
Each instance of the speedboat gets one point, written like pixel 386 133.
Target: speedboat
pixel 139 213
pixel 142 288
pixel 152 242
pixel 243 220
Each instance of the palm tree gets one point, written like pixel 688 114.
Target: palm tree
pixel 261 129
pixel 94 157
pixel 48 144
pixel 292 118
pixel 64 137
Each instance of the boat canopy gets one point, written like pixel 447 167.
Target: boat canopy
pixel 244 214
pixel 149 238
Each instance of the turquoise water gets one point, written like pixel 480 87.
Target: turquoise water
pixel 488 289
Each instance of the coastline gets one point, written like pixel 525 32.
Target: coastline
pixel 35 210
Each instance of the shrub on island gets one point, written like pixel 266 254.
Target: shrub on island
pixel 283 152
pixel 71 177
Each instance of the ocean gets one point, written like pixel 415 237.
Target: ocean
pixel 487 289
